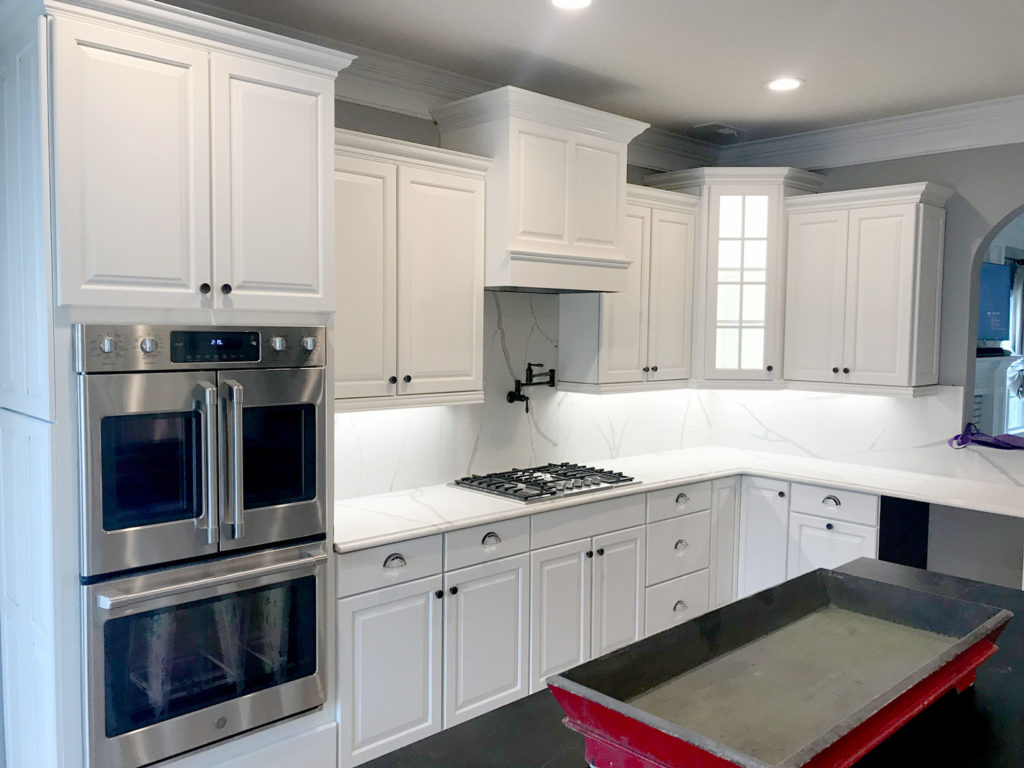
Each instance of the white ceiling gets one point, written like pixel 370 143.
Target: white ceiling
pixel 680 63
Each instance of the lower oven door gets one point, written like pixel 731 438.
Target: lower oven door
pixel 184 657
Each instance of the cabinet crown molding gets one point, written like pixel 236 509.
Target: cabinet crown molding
pixel 173 20
pixel 793 179
pixel 509 101
pixel 926 193
pixel 660 198
pixel 368 145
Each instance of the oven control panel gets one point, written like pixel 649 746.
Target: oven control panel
pixel 127 348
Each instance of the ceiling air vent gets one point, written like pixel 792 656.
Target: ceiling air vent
pixel 718 133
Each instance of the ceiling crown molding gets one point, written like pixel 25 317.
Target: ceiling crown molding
pixel 969 126
pixel 662 150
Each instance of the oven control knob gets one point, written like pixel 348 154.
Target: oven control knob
pixel 148 345
pixel 309 343
pixel 107 345
pixel 278 343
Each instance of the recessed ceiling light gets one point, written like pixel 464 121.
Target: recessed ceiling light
pixel 571 5
pixel 784 84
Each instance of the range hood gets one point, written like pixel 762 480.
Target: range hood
pixel 556 188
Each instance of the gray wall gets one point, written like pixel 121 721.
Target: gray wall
pixel 989 186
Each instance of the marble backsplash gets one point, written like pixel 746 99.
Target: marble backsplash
pixel 381 451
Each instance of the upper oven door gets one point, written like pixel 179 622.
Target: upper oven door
pixel 149 447
pixel 273 457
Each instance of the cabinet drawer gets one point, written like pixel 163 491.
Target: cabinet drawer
pixel 586 520
pixel 677 601
pixel 481 543
pixel 389 564
pixel 681 500
pixel 678 546
pixel 853 507
pixel 817 542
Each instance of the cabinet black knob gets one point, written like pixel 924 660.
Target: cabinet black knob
pixel 647 368
pixel 846 370
pixel 601 551
pixel 226 288
pixel 439 594
pixel 782 494
pixel 590 554
pixel 393 380
pixel 407 378
pixel 829 526
pixel 204 288
pixel 770 368
pixel 835 370
pixel 654 368
pixel 454 590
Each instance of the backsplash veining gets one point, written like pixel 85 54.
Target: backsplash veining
pixel 381 451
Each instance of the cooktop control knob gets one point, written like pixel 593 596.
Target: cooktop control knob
pixel 278 343
pixel 148 345
pixel 107 345
pixel 309 343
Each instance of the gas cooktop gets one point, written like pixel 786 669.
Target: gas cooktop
pixel 543 483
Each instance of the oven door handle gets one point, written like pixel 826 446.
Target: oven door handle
pixel 208 408
pixel 115 600
pixel 233 435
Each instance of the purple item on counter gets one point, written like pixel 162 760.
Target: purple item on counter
pixel 973 436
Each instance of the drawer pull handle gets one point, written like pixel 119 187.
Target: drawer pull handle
pixel 490 539
pixel 679 607
pixel 682 498
pixel 682 544
pixel 394 560
pixel 832 501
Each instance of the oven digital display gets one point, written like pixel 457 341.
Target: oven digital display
pixel 215 347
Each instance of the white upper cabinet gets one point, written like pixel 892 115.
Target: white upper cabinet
pixel 863 294
pixel 741 269
pixel 556 189
pixel 638 338
pixel 409 261
pixel 146 123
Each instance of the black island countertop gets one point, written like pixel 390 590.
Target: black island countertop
pixel 980 728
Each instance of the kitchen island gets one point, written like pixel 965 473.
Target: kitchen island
pixel 979 728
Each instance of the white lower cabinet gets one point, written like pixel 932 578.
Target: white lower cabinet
pixel 725 524
pixel 618 616
pixel 817 542
pixel 676 601
pixel 486 637
pixel 389 668
pixel 764 523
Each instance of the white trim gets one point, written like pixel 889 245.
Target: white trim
pixel 621 387
pixel 793 179
pixel 927 193
pixel 661 198
pixel 343 405
pixel 968 126
pixel 354 143
pixel 863 389
pixel 662 150
pixel 559 258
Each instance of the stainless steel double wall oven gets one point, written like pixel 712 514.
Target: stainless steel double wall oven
pixel 203 554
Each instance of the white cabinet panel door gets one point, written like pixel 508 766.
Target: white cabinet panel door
pixel 879 281
pixel 540 162
pixel 486 637
pixel 671 295
pixel 272 143
pixel 764 513
pixel 598 170
pixel 440 282
pixel 389 669
pixel 623 314
pixel 132 146
pixel 816 295
pixel 366 263
pixel 816 542
pixel 725 522
pixel 560 592
pixel 618 617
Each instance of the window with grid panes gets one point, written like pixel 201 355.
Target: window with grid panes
pixel 742 284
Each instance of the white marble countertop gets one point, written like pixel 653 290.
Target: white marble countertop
pixel 370 521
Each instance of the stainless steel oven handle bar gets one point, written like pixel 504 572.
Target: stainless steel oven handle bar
pixel 116 600
pixel 234 438
pixel 208 409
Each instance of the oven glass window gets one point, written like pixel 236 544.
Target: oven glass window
pixel 279 455
pixel 166 663
pixel 150 468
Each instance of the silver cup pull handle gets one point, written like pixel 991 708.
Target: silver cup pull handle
pixel 832 501
pixel 490 539
pixel 682 544
pixel 682 498
pixel 394 560
pixel 679 607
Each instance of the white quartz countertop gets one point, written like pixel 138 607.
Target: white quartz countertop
pixel 369 521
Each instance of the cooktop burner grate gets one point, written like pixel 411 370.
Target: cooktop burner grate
pixel 545 482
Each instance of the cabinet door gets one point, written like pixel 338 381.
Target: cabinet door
pixel 817 542
pixel 131 142
pixel 539 164
pixel 879 291
pixel 597 172
pixel 440 282
pixel 743 282
pixel 486 639
pixel 389 669
pixel 366 263
pixel 273 145
pixel 623 351
pixel 560 590
pixel 670 324
pixel 816 295
pixel 764 513
pixel 618 617
pixel 725 522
